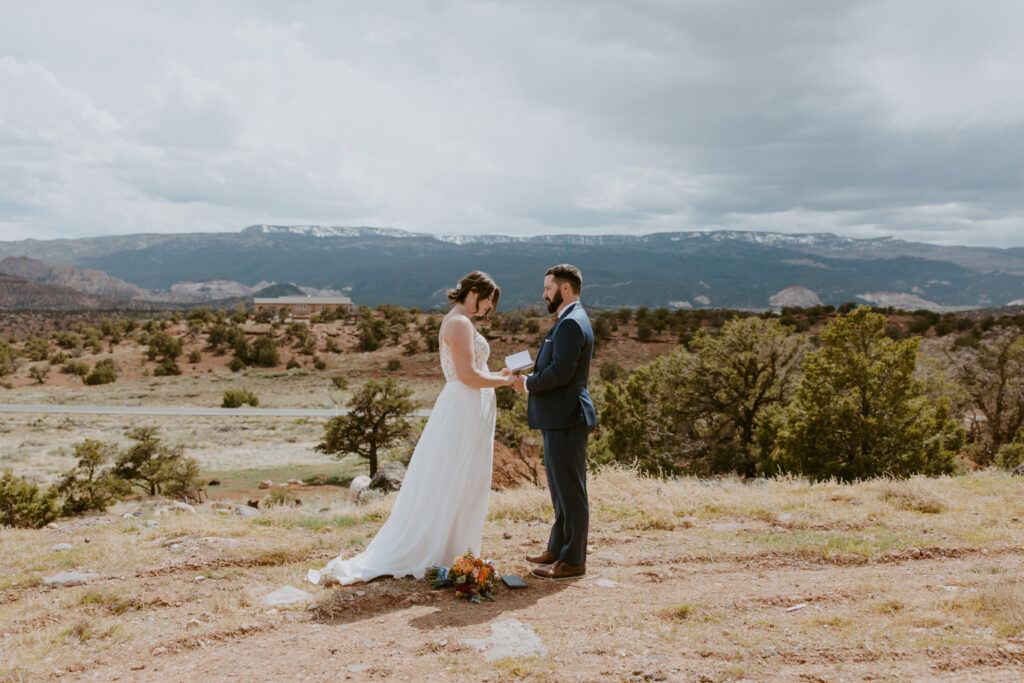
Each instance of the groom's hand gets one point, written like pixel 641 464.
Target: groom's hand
pixel 518 383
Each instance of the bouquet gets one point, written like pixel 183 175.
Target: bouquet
pixel 472 577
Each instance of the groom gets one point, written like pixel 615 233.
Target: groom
pixel 560 406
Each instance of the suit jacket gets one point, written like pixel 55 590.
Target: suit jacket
pixel 558 386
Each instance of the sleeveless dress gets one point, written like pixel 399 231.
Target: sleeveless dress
pixel 440 509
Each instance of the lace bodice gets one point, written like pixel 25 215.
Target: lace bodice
pixel 481 352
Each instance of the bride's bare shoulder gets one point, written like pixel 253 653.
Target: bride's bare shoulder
pixel 457 325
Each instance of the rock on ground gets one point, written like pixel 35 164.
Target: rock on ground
pixel 358 485
pixel 285 596
pixel 58 547
pixel 510 638
pixel 389 477
pixel 246 511
pixel 68 579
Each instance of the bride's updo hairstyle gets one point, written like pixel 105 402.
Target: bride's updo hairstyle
pixel 479 282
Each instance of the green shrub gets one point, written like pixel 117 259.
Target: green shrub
pixel 161 344
pixel 7 356
pixel 22 504
pixel 264 352
pixel 292 363
pixel 612 372
pixel 157 468
pixel 1012 454
pixel 102 373
pixel 90 485
pixel 167 367
pixel 319 363
pixel 39 373
pixel 236 364
pixel 67 339
pixel 279 497
pixel 36 349
pixel 394 364
pixel 195 356
pixel 235 398
pixel 75 367
pixel 239 315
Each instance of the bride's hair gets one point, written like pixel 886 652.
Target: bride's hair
pixel 479 282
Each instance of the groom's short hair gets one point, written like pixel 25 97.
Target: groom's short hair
pixel 567 273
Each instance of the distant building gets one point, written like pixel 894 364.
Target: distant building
pixel 302 306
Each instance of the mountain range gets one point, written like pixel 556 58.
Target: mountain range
pixel 717 269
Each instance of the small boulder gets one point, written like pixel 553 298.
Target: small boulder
pixel 246 511
pixel 389 477
pixel 266 484
pixel 59 547
pixel 286 596
pixel 358 485
pixel 510 638
pixel 61 579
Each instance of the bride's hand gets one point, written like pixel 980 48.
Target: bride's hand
pixel 505 372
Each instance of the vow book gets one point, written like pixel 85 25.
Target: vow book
pixel 519 361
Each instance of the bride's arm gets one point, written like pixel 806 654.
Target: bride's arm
pixel 459 336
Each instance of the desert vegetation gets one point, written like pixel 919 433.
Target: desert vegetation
pixel 734 534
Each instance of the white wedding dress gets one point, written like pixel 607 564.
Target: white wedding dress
pixel 440 509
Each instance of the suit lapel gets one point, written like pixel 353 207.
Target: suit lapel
pixel 551 332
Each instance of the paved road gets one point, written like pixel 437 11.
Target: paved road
pixel 180 410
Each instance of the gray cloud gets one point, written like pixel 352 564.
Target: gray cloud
pixel 898 117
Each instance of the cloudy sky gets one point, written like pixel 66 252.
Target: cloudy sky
pixel 898 117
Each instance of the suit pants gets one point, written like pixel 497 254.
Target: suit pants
pixel 565 463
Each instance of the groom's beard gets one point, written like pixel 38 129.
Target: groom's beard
pixel 555 303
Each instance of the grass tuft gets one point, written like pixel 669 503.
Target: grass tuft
pixel 911 495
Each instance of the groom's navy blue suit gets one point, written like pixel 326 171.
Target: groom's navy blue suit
pixel 560 406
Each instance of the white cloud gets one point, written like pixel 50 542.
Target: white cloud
pixel 868 118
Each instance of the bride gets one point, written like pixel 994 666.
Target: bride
pixel 440 509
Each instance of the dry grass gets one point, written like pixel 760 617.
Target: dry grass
pixel 913 495
pixel 708 568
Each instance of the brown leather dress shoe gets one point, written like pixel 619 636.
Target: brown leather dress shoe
pixel 560 570
pixel 544 558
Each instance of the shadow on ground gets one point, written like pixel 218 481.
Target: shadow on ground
pixel 350 604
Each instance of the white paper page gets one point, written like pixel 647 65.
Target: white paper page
pixel 518 361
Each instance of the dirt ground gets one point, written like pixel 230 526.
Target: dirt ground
pixel 686 581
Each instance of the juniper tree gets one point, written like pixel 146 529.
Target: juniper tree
pixel 91 484
pixel 699 410
pixel 375 422
pixel 859 411
pixel 991 370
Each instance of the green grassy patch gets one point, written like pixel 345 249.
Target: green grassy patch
pixel 338 473
pixel 316 523
pixel 866 542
